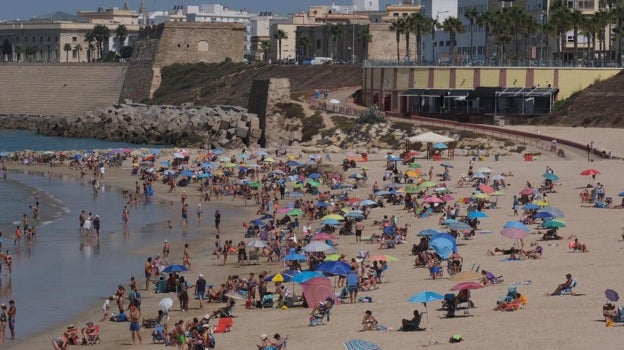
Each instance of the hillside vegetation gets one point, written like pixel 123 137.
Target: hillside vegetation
pixel 600 105
pixel 229 83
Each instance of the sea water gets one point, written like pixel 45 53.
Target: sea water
pixel 63 273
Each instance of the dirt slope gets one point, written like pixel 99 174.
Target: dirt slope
pixel 230 83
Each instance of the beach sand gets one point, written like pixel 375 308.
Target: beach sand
pixel 546 322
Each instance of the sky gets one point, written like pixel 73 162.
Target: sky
pixel 25 9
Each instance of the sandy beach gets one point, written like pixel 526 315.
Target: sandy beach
pixel 573 322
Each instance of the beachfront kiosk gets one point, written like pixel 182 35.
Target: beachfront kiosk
pixel 434 144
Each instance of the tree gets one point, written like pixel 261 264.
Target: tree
pixel 560 21
pixel 420 24
pixel 304 42
pixel 18 52
pixel 7 50
pixel 365 38
pixel 279 36
pixel 577 20
pixel 265 46
pixel 101 34
pixel 486 20
pixel 78 49
pixel 618 14
pixel 89 39
pixel 67 48
pixel 529 28
pixel 407 30
pixel 121 33
pixel 30 52
pixel 452 25
pixel 398 27
pixel 471 15
pixel 126 52
pixel 433 26
pixel 335 32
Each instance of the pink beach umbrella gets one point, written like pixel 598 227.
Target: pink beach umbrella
pixel 487 189
pixel 434 199
pixel 467 285
pixel 322 236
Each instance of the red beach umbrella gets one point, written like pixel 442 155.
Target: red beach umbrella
pixel 467 285
pixel 590 172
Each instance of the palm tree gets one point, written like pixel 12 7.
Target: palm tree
pixel 529 29
pixel 279 35
pixel 560 21
pixel 577 20
pixel 602 19
pixel 67 48
pixel 101 34
pixel 18 53
pixel 89 39
pixel 420 24
pixel 502 28
pixel 365 38
pixel 398 26
pixel 121 33
pixel 432 26
pixel 452 25
pixel 471 14
pixel 618 14
pixel 486 20
pixel 407 30
pixel 265 46
pixel 304 42
pixel 78 49
pixel 335 32
pixel 516 17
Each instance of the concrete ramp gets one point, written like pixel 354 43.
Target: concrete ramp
pixel 59 89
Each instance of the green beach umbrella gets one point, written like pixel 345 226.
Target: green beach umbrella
pixel 295 212
pixel 427 184
pixel 313 183
pixel 415 166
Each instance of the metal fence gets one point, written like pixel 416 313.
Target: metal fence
pixel 509 63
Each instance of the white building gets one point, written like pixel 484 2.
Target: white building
pixel 438 44
pixel 365 5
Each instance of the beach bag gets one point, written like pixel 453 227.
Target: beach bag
pixel 456 338
pixel 211 341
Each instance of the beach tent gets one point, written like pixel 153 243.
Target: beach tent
pixel 430 138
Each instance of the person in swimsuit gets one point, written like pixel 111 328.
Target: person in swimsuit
pixel 11 318
pixel 60 343
pixel 187 257
pixel 166 251
pixel 4 317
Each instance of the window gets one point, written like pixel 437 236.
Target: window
pixel 41 39
pixel 318 43
pixel 25 39
pixel 74 39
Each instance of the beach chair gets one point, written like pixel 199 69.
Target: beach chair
pixel 267 300
pixel 568 291
pixel 227 310
pixel 323 313
pixel 253 257
pixel 158 335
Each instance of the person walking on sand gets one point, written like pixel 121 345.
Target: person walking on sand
pixel 148 272
pixel 8 260
pixel 200 211
pixel 18 236
pixel 185 215
pixel 96 225
pixel 186 260
pixel 125 215
pixel 4 318
pixel 166 251
pixel 218 221
pixel 135 326
pixel 11 318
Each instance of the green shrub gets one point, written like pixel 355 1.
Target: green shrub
pixel 311 126
pixel 291 110
pixel 371 116
pixel 403 126
pixel 345 124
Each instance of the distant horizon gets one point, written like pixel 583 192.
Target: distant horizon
pixel 27 9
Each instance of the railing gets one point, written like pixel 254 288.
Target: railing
pixel 509 63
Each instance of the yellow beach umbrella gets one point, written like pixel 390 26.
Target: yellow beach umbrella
pixel 333 216
pixel 412 173
pixel 269 160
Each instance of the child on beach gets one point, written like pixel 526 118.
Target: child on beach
pixel 105 309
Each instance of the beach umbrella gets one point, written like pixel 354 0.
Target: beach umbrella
pixel 414 166
pixel 516 224
pixel 295 257
pixel 440 145
pixel 294 194
pixel 477 214
pixel 447 165
pixel 514 233
pixel 332 257
pixel 590 172
pixel 305 276
pixel 367 202
pixel 465 276
pixel 383 257
pixel 480 195
pixel 175 268
pixel 442 245
pixel 217 151
pixel 330 222
pixel 428 232
pixel 354 214
pixel 269 160
pixel 557 213
pixel 322 204
pixel 411 189
pixel 554 223
pixel 314 176
pixel 543 215
pixel 466 285
pixel 204 175
pixel 393 159
pixel 318 289
pixel 333 216
pixel 322 236
pixel 612 295
pixel 385 192
pixel 551 177
pixel 165 304
pixel 458 226
pixel 187 173
pixel 484 170
pixel 317 246
pixel 541 203
pixel 262 153
pixel 278 278
pixel 392 185
pixel 169 172
pixel 425 297
pixel 412 173
pixel 531 206
pixel 359 344
pixel 334 267
pixel 294 212
pixel 313 183
pixel 427 184
pixel 479 175
pixel 256 243
pixel 486 189
pixel 527 191
pixel 447 197
pixel 497 194
pixel 621 194
pixel 498 177
pixel 434 199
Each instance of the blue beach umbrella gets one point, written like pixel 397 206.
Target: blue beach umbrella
pixel 367 202
pixel 516 224
pixel 443 244
pixel 428 232
pixel 425 297
pixel 304 276
pixel 334 267
pixel 477 214
pixel 175 268
pixel 458 226
pixel 292 163
pixel 556 213
pixel 187 173
pixel 290 273
pixel 314 176
pixel 531 206
pixel 295 257
pixel 551 177
pixel 543 215
pixel 330 222
pixel 295 194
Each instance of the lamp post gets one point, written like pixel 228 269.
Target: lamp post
pixel 353 43
pixel 542 39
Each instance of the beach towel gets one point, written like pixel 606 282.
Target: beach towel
pixel 224 325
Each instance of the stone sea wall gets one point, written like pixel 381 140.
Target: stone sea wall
pixel 203 127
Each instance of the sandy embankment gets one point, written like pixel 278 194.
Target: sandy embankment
pixel 546 322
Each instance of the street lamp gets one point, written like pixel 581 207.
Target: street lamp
pixel 542 39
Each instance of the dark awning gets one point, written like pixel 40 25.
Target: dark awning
pixel 457 92
pixel 527 92
pixel 483 92
pixel 435 92
pixel 413 92
pixel 542 92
